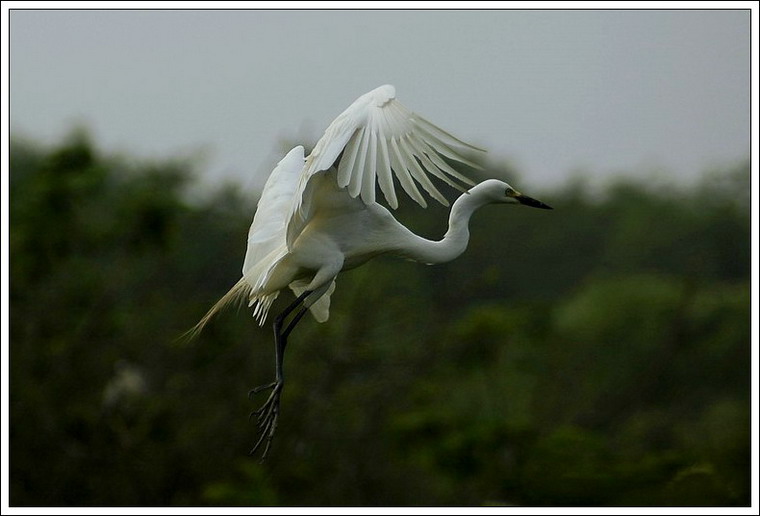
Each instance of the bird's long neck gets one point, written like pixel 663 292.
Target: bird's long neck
pixel 454 242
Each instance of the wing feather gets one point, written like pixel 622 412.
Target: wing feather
pixel 437 166
pixel 384 177
pixel 419 151
pixel 418 174
pixel 348 160
pixel 440 134
pixel 403 175
pixel 370 170
pixel 334 141
pixel 446 150
pixel 354 186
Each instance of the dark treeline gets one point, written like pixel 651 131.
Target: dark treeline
pixel 597 354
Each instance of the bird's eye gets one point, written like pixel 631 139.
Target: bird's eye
pixel 509 192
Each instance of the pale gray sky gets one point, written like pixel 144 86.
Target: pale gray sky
pixel 553 92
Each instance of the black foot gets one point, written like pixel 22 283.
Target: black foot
pixel 266 417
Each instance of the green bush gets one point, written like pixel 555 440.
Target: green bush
pixel 593 355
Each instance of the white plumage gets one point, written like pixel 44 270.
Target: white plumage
pixel 318 215
pixel 377 139
pixel 380 138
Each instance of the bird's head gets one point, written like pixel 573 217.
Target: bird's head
pixel 499 192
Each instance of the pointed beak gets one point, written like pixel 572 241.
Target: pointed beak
pixel 530 201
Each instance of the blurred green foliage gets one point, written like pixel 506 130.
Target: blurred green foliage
pixel 593 355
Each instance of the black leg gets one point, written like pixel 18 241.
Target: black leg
pixel 268 414
pixel 293 323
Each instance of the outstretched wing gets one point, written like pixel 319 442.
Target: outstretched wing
pixel 267 232
pixel 379 139
pixel 267 235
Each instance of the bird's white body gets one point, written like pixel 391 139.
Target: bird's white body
pixel 318 215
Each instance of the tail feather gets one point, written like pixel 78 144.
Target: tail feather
pixel 236 294
pixel 263 304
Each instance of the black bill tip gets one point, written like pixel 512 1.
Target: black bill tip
pixel 533 203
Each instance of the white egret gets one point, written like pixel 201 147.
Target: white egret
pixel 318 216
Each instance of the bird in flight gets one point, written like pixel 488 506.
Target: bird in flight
pixel 319 215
